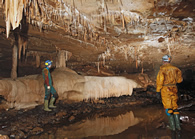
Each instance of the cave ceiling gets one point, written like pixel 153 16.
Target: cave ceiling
pixel 120 34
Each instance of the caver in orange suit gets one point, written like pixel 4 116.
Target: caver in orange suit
pixel 167 78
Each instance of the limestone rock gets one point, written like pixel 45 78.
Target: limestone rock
pixel 29 91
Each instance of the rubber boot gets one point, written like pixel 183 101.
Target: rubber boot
pixel 52 102
pixel 177 121
pixel 171 122
pixel 173 135
pixel 46 106
pixel 178 134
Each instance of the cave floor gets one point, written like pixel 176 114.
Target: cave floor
pixel 135 117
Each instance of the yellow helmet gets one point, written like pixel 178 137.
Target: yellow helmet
pixel 48 62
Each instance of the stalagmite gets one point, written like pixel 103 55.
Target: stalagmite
pixel 14 63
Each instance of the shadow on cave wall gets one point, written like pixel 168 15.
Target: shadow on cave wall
pixel 188 85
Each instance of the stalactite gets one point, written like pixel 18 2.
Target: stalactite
pixel 68 28
pixel 104 60
pixel 14 62
pixel 168 45
pixel 125 51
pixel 7 18
pixel 61 59
pixel 74 8
pixel 66 56
pixel 123 20
pixel 84 22
pixel 136 63
pixel 169 49
pixel 19 46
pixel 98 67
pixel 105 28
pixel 113 19
pixel 7 26
pixel 85 35
pixel 37 60
pixel 91 36
pixel 120 2
pixel 24 47
pixel 78 18
pixel 101 21
pixel 13 13
pixel 108 18
pixel 35 8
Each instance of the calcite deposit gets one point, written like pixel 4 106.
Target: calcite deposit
pixel 28 92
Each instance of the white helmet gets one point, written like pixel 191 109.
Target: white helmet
pixel 166 58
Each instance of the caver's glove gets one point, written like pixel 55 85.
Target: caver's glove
pixel 48 87
pixel 158 95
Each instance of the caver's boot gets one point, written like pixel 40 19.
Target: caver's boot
pixel 177 121
pixel 46 106
pixel 171 122
pixel 173 135
pixel 52 102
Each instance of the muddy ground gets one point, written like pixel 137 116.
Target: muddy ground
pixel 36 123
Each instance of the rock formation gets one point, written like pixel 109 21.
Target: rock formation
pixel 91 37
pixel 29 91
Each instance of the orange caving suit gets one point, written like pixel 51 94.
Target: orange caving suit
pixel 167 78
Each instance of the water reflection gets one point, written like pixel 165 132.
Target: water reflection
pixel 100 126
pixel 152 124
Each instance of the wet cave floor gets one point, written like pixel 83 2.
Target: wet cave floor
pixel 127 117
